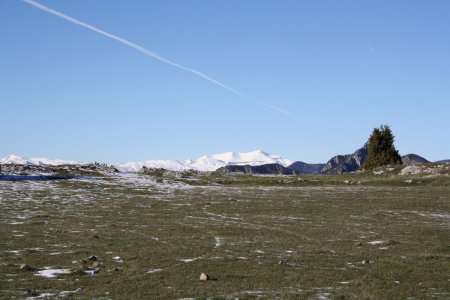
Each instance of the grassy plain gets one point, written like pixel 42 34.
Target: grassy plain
pixel 356 236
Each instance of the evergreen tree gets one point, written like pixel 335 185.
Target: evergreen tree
pixel 381 149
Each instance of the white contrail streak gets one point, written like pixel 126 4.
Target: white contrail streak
pixel 149 53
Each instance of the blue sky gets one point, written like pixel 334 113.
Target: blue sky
pixel 340 68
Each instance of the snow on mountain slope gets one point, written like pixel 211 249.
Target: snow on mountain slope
pixel 52 162
pixel 204 163
pixel 208 162
pixel 253 158
pixel 131 167
pixel 18 160
pixel 15 160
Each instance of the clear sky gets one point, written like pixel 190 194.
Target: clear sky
pixel 340 68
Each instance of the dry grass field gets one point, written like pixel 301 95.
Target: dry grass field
pixel 311 237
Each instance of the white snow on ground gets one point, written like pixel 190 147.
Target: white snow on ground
pixel 51 273
pixel 188 260
pixel 218 242
pixel 151 271
pixel 208 162
pixel 376 243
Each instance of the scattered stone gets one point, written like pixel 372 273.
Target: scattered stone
pixel 93 258
pixel 33 293
pixel 366 262
pixel 359 244
pixel 204 277
pixel 432 257
pixel 26 267
pixel 392 242
pixel 83 264
pixel 282 263
pixel 96 264
pixel 90 263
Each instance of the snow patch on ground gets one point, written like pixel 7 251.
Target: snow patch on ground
pixel 218 242
pixel 188 260
pixel 52 273
pixel 151 271
pixel 376 243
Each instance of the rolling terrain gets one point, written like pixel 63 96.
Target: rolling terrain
pixel 104 234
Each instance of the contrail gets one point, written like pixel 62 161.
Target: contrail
pixel 150 53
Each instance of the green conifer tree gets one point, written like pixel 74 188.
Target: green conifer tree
pixel 381 149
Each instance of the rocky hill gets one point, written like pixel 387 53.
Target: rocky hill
pixel 306 168
pixel 413 159
pixel 267 169
pixel 346 163
pixel 444 161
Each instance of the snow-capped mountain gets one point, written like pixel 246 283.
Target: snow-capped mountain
pixel 15 160
pixel 208 162
pixel 18 160
pixel 204 163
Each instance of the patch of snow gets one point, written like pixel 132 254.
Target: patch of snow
pixel 67 293
pixel 323 296
pixel 92 272
pixel 218 242
pixel 52 273
pixel 117 259
pixel 42 295
pixel 151 271
pixel 376 243
pixel 188 260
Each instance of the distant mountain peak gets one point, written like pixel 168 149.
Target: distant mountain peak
pixel 13 159
pixel 346 163
pixel 413 159
pixel 209 162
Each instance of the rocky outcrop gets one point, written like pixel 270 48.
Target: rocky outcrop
pixel 305 168
pixel 268 169
pixel 444 161
pixel 346 163
pixel 413 159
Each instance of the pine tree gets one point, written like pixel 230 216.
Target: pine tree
pixel 381 149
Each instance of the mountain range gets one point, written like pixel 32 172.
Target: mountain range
pixel 18 160
pixel 207 163
pixel 254 162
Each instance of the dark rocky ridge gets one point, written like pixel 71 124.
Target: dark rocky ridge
pixel 305 168
pixel 445 161
pixel 413 159
pixel 268 169
pixel 346 163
